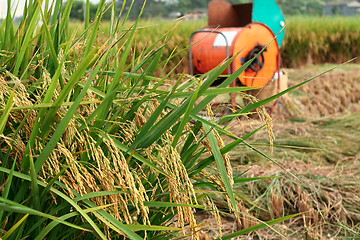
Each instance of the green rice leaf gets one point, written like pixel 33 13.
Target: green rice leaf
pixel 8 26
pixel 97 194
pixel 34 185
pixel 48 38
pixel 154 116
pixel 13 228
pixel 226 82
pixel 8 185
pixel 5 115
pixel 87 15
pixel 76 76
pixel 164 125
pixel 65 16
pixel 26 42
pixel 186 116
pixel 10 206
pixel 244 180
pixel 94 32
pixel 215 91
pixel 220 165
pixel 116 225
pixel 136 155
pixel 53 224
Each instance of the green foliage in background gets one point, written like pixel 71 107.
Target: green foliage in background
pixel 78 10
pixel 156 9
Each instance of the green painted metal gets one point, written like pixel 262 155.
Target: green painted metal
pixel 269 13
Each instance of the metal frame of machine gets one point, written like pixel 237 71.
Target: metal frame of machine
pixel 244 30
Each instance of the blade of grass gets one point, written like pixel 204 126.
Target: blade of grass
pixel 112 18
pixel 8 185
pixel 64 22
pixel 48 37
pixel 245 180
pixel 186 116
pixel 215 91
pixel 5 115
pixel 26 42
pixel 203 163
pixel 155 115
pixel 44 129
pixel 136 155
pixel 253 106
pixel 87 14
pixel 34 185
pixel 91 39
pixel 52 181
pixel 42 113
pixel 160 128
pixel 10 206
pixel 116 225
pixel 221 166
pixel 53 224
pixel 226 82
pixel 8 26
pixel 13 228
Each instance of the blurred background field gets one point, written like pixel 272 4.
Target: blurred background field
pixel 309 39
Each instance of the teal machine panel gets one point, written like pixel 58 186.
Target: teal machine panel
pixel 269 13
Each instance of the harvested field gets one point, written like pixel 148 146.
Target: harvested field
pixel 332 93
pixel 317 149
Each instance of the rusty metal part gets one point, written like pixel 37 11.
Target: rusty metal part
pixel 222 14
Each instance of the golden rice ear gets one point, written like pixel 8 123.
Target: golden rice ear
pixel 261 113
pixel 204 236
pixel 180 185
pixel 276 205
pixel 310 216
pixel 214 211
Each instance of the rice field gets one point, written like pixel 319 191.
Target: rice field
pixel 308 39
pixel 315 40
pixel 101 138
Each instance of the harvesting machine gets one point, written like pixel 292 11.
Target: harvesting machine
pixel 241 30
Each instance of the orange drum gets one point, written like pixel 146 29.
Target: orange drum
pixel 211 49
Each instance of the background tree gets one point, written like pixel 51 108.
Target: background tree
pixel 153 8
pixel 162 8
pixel 77 11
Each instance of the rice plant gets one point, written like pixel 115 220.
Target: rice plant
pixel 308 39
pixel 94 146
pixel 321 40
